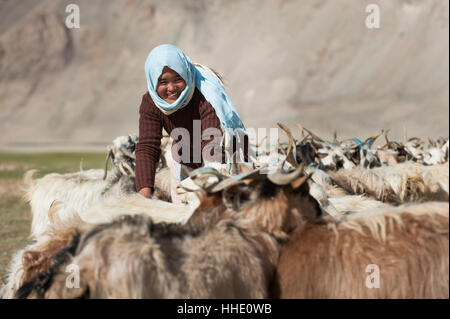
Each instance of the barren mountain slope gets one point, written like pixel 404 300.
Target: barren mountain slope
pixel 312 62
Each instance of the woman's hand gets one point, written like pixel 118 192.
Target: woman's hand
pixel 146 192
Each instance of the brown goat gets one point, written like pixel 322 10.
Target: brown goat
pixel 228 249
pixel 408 244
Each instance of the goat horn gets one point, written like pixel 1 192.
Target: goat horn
pixel 205 170
pixel 106 163
pixel 405 136
pixel 233 180
pixel 300 181
pixel 372 138
pixel 300 127
pixel 388 143
pixel 128 167
pixel 304 136
pixel 280 178
pixel 122 170
pixel 290 156
pixel 315 137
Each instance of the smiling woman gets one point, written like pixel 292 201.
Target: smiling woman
pixel 170 85
pixel 180 96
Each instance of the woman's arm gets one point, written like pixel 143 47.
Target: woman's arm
pixel 148 148
pixel 209 119
pixel 211 134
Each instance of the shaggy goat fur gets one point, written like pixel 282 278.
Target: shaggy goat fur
pixel 224 251
pixel 351 204
pixel 324 180
pixel 43 263
pixel 395 184
pixel 334 200
pixel 149 260
pixel 37 257
pixel 409 244
pixel 37 254
pixel 77 191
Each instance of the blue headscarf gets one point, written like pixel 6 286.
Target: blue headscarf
pixel 195 77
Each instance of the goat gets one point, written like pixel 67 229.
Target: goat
pixel 334 200
pixel 353 152
pixel 437 152
pixel 351 204
pixel 395 184
pixel 76 190
pixel 121 151
pixel 37 255
pixel 408 245
pixel 414 148
pixel 227 249
pixel 151 261
pixel 82 189
pixel 391 153
pixel 334 155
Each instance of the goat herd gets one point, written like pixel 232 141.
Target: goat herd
pixel 337 219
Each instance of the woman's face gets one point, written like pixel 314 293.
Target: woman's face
pixel 170 85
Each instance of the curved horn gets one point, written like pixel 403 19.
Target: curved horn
pixel 335 140
pixel 204 171
pixel 290 157
pixel 234 180
pixel 300 127
pixel 388 143
pixel 373 139
pixel 128 167
pixel 121 169
pixel 315 137
pixel 110 154
pixel 280 178
pixel 304 136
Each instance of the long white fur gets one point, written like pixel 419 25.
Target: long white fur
pixel 77 191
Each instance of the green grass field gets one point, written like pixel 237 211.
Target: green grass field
pixel 15 217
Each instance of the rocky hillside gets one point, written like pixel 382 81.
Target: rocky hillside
pixel 310 61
